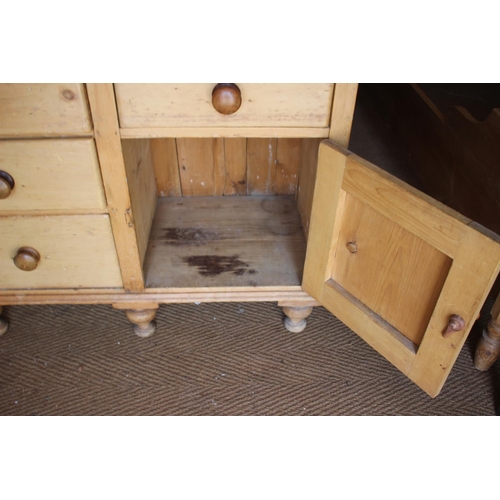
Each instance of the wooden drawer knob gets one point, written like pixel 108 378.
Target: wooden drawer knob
pixel 455 324
pixel 6 184
pixel 27 259
pixel 226 98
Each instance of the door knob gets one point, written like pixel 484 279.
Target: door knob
pixel 455 324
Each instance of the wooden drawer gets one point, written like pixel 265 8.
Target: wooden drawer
pixel 75 252
pixel 60 174
pixel 48 109
pixel 190 105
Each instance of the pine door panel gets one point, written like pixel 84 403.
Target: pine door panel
pixel 394 265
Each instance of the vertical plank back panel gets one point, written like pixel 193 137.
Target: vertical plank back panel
pixel 219 165
pixel 236 166
pixel 261 166
pixel 196 166
pixel 232 166
pixel 287 166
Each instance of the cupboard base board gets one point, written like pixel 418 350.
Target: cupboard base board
pixel 141 308
pixel 54 297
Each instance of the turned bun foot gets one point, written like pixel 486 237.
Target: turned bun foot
pixel 143 321
pixel 488 348
pixel 295 320
pixel 4 324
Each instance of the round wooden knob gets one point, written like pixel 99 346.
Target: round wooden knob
pixel 352 247
pixel 226 98
pixel 455 324
pixel 6 184
pixel 27 259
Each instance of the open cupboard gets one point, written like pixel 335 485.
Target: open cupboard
pixel 260 204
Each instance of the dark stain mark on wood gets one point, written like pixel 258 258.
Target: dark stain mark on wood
pixel 277 206
pixel 179 236
pixel 239 186
pixel 282 228
pixel 213 265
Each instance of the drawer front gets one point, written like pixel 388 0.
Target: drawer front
pixel 52 174
pixel 190 105
pixel 75 251
pixel 48 109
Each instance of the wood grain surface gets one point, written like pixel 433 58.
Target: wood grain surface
pixel 75 252
pixel 49 174
pixel 190 105
pixel 44 110
pixel 451 274
pixel 230 241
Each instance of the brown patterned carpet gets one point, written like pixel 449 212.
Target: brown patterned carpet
pixel 214 359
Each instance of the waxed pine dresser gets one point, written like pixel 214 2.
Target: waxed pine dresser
pixel 137 195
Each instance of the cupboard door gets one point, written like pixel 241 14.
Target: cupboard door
pixel 403 271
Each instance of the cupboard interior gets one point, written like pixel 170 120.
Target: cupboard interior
pixel 221 212
pixel 234 213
